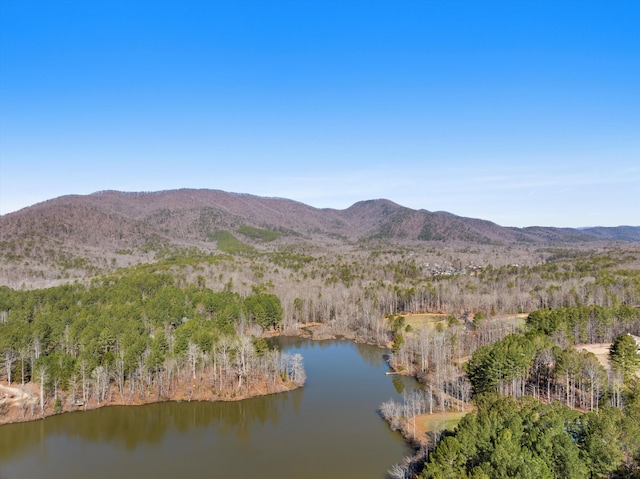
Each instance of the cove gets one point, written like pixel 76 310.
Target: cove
pixel 330 428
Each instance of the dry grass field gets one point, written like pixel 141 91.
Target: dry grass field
pixel 419 321
pixel 601 351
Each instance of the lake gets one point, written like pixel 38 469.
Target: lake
pixel 328 429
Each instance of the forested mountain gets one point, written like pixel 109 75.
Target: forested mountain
pixel 191 216
pixel 81 236
pixel 115 220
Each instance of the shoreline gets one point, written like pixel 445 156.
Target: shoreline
pixel 198 391
pixel 21 403
pixel 29 409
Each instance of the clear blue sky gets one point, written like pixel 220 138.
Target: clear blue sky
pixel 520 112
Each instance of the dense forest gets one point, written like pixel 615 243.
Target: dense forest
pixel 540 399
pixel 527 438
pixel 140 336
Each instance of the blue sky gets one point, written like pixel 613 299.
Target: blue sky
pixel 519 112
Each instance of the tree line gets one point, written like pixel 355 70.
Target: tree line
pixel 536 370
pixel 526 438
pixel 138 336
pixel 586 324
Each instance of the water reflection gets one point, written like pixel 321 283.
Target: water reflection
pixel 131 426
pixel 329 428
pixel 373 356
pixel 398 384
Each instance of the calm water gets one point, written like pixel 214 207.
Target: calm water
pixel 329 429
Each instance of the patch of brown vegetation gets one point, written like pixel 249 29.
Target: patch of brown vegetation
pixel 601 351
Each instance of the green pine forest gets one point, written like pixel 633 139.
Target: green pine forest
pixel 541 407
pixel 547 411
pixel 140 336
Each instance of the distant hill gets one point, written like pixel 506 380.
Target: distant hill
pixel 113 219
pixel 619 233
pixel 96 230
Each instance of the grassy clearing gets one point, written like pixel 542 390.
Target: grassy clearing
pixel 439 422
pixel 601 351
pixel 419 321
pixel 431 320
pixel 519 317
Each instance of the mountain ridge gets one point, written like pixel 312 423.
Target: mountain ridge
pixel 74 237
pixel 190 214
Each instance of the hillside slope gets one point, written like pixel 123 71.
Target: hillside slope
pixel 96 230
pixel 117 219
